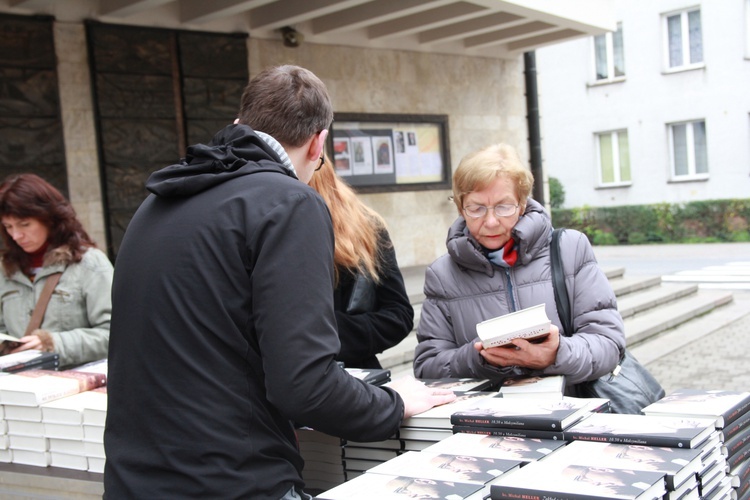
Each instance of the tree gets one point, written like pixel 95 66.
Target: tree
pixel 556 193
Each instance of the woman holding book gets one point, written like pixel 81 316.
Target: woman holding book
pixel 498 262
pixel 373 311
pixel 44 241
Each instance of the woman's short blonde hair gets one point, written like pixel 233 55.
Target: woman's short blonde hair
pixel 479 169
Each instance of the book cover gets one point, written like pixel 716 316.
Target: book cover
pixel 737 426
pixel 552 386
pixel 370 486
pixel 678 465
pixel 540 414
pixel 446 467
pixel 724 406
pixel 508 448
pixel 649 430
pixel 439 417
pixel 26 360
pixel 500 431
pixel 530 323
pixel 737 442
pixel 563 481
pixel 459 384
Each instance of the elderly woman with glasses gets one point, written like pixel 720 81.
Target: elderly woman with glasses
pixel 498 262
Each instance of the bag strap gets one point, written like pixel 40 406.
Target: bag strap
pixel 558 284
pixel 41 304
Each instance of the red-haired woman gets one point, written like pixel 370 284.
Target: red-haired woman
pixel 41 237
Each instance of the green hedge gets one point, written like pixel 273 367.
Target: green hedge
pixel 698 221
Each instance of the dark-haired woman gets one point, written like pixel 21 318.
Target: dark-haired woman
pixel 41 237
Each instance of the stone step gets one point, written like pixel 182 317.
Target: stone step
pixel 669 341
pixel 643 326
pixel 625 285
pixel 634 303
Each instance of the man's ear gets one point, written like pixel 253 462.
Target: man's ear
pixel 319 144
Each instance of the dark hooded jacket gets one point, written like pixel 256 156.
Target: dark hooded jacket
pixel 223 332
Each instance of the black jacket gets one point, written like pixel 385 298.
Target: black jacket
pixel 367 334
pixel 223 332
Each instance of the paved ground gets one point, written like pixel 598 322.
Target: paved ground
pixel 719 360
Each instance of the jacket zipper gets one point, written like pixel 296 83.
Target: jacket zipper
pixel 510 289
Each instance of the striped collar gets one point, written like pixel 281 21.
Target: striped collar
pixel 279 150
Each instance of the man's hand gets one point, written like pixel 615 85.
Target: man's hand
pixel 418 397
pixel 536 356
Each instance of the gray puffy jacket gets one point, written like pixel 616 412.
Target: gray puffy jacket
pixel 462 288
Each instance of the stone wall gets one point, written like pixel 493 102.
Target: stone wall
pixel 483 98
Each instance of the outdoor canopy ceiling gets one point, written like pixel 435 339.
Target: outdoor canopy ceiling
pixel 488 28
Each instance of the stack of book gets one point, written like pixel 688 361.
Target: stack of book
pixel 528 418
pixel 730 411
pixel 562 480
pixel 58 438
pixel 323 455
pixel 548 387
pixel 416 432
pixel 426 474
pixel 29 360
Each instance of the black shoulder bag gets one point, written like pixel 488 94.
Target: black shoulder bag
pixel 630 387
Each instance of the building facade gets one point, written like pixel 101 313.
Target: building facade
pixel 462 60
pixel 656 111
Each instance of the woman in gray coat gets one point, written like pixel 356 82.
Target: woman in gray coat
pixel 498 261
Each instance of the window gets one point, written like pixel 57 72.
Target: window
pixel 609 55
pixel 614 158
pixel 684 43
pixel 688 150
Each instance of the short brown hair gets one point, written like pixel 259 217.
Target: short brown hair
pixel 287 102
pixel 480 168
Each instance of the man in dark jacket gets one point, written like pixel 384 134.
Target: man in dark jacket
pixel 223 331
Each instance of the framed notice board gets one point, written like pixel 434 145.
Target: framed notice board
pixel 386 152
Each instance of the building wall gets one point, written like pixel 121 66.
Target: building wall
pixel 573 109
pixel 484 99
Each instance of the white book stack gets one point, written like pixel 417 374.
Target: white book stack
pixel 5 453
pixel 63 422
pixel 94 417
pixel 23 422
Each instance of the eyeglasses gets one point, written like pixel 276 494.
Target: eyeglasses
pixel 479 211
pixel 321 164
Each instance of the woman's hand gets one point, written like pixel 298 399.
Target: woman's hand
pixel 39 340
pixel 536 356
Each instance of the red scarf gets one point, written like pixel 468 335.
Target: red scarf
pixel 506 256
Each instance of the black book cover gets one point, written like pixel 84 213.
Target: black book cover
pixel 540 414
pixel 724 406
pixel 500 431
pixel 649 430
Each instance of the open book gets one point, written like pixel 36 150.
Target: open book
pixel 530 323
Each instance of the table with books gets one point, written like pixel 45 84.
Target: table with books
pixel 523 440
pixel 691 445
pixel 53 429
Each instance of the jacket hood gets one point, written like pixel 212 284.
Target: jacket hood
pixel 234 152
pixel 531 232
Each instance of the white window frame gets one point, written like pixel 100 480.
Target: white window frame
pixel 610 54
pixel 617 168
pixel 690 140
pixel 685 30
pixel 747 29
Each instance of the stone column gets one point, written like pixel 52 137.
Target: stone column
pixel 79 131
